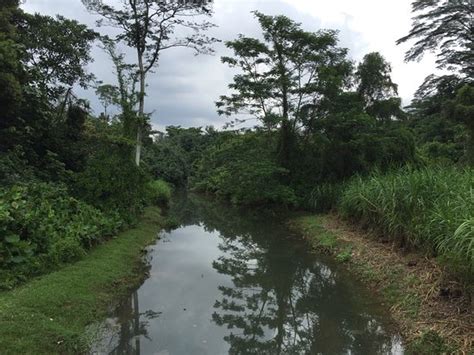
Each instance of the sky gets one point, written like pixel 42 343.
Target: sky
pixel 183 89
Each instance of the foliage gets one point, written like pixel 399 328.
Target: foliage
pixel 173 156
pixel 443 27
pixel 323 197
pixel 242 167
pixel 429 208
pixel 461 109
pixel 110 181
pixel 289 73
pixel 42 226
pixel 149 27
pixel 58 307
pixel 438 133
pixel 56 51
pixel 159 192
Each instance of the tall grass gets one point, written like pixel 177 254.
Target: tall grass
pixel 431 209
pixel 324 197
pixel 159 192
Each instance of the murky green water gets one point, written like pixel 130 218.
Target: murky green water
pixel 234 282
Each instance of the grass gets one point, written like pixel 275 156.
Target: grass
pixel 427 209
pixel 49 314
pixel 160 192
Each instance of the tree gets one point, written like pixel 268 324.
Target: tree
pixel 11 76
pixel 281 78
pixel 108 96
pixel 149 26
pixel 57 51
pixel 376 88
pixel 126 96
pixel 290 69
pixel 461 108
pixel 445 27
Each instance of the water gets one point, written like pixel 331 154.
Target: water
pixel 233 282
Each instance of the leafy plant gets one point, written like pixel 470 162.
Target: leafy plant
pixel 42 226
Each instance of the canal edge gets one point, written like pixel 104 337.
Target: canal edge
pixel 410 283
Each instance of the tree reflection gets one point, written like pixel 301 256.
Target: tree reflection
pixel 283 302
pixel 130 325
pixel 277 299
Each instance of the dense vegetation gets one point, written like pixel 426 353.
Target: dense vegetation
pixel 332 134
pixel 431 209
pixel 328 133
pixel 68 179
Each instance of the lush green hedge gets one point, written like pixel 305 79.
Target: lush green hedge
pixel 430 208
pixel 41 226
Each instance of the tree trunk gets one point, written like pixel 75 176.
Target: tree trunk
pixel 141 109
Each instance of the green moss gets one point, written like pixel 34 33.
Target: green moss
pixel 49 314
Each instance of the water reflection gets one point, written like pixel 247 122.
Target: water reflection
pixel 236 282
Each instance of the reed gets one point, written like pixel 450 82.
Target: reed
pixel 430 209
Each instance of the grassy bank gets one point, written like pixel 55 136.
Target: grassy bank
pixel 49 314
pixel 411 284
pixel 431 210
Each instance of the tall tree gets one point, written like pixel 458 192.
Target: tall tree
pixel 284 75
pixel 125 95
pixel 150 27
pixel 281 75
pixel 376 88
pixel 447 28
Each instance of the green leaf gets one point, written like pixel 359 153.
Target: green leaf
pixel 12 238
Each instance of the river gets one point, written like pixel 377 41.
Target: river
pixel 233 281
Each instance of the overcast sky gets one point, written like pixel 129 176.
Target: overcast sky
pixel 184 88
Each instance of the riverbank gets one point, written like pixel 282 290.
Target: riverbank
pixel 428 305
pixel 49 314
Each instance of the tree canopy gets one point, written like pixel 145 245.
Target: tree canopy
pixel 446 28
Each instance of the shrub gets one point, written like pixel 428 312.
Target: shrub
pixel 112 182
pixel 159 192
pixel 242 168
pixel 42 226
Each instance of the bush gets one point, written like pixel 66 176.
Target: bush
pixel 430 208
pixel 159 192
pixel 242 168
pixel 42 226
pixel 112 182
